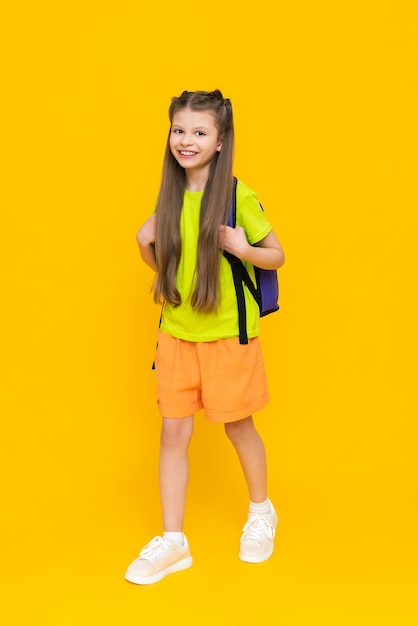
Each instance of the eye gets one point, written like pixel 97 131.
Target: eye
pixel 200 133
pixel 177 131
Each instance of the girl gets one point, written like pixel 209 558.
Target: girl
pixel 199 360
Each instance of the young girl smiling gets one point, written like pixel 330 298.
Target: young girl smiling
pixel 199 362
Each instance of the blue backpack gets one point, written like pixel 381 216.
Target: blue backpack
pixel 265 291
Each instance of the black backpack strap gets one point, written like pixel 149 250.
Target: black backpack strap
pixel 240 275
pixel 246 278
pixel 159 324
pixel 236 266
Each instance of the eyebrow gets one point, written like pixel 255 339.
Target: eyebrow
pixel 196 128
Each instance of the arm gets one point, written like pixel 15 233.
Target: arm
pixel 267 254
pixel 145 238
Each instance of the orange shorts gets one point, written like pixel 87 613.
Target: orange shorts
pixel 225 378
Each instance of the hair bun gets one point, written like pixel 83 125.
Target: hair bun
pixel 217 94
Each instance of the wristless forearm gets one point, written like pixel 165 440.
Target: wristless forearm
pixel 265 258
pixel 147 252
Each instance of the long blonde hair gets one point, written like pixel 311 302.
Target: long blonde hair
pixel 214 207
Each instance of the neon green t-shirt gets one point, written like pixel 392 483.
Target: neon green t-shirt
pixel 184 322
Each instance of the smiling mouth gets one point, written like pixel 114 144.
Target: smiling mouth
pixel 187 153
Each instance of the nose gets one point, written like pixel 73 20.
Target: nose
pixel 186 139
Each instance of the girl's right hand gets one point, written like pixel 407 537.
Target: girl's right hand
pixel 146 234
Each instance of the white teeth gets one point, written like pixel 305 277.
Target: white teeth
pixel 184 153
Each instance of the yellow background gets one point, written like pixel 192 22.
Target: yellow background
pixel 325 100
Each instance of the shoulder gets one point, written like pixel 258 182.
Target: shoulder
pixel 244 193
pixel 250 214
pixel 247 199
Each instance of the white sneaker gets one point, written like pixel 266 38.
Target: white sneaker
pixel 157 559
pixel 257 540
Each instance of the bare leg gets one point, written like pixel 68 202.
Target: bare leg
pixel 174 470
pixel 252 456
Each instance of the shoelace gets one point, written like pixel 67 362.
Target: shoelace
pixel 256 528
pixel 154 549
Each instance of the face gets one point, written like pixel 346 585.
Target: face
pixel 194 139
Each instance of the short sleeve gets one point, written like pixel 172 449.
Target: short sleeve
pixel 250 215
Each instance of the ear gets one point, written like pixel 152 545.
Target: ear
pixel 220 142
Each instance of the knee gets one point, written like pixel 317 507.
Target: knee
pixel 176 433
pixel 238 431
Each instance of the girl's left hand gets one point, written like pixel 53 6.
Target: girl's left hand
pixel 233 240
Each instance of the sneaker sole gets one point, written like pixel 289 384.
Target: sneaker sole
pixel 256 559
pixel 148 580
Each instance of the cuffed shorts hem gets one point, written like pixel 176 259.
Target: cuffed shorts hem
pixel 177 412
pixel 213 416
pixel 234 416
